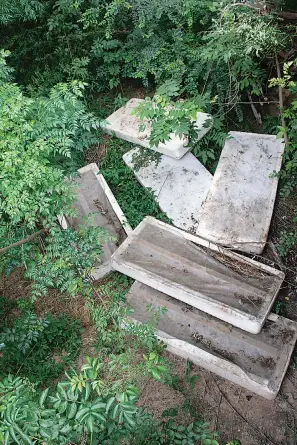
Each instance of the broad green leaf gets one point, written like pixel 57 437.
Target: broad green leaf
pixel 98 407
pixel 43 397
pixel 81 412
pixel 72 410
pixel 109 403
pixel 24 436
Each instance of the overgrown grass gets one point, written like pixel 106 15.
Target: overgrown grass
pixel 135 200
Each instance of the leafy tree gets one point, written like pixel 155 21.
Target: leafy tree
pixel 36 135
pixel 204 45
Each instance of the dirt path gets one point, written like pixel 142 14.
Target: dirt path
pixel 234 412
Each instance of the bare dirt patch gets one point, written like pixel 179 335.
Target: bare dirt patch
pixel 234 412
pixel 96 152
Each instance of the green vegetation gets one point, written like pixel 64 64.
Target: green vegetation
pixel 64 65
pixel 135 201
pixel 39 348
pixel 84 406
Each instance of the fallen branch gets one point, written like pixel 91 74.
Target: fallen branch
pixel 23 241
pixel 261 102
pixel 281 100
pixel 287 15
pixel 257 115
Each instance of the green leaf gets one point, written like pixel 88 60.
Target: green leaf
pixel 43 397
pixel 129 419
pixel 62 407
pixel 152 356
pixel 90 423
pixel 162 368
pixel 98 406
pixel 72 410
pixel 12 434
pixel 46 433
pixel 169 88
pixel 109 403
pixel 6 438
pixel 156 375
pixel 81 412
pixel 99 416
pixel 48 412
pixel 115 411
pixel 24 436
pixel 87 391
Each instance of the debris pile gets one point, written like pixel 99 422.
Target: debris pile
pixel 218 301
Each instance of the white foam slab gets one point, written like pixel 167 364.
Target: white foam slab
pixel 255 362
pixel 95 197
pixel 223 284
pixel 126 126
pixel 239 206
pixel 180 186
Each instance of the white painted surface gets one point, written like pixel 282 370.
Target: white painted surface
pixel 255 362
pixel 110 196
pixel 126 126
pixel 239 206
pixel 180 186
pixel 104 268
pixel 162 257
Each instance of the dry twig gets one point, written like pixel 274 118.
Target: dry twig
pixel 257 115
pixel 23 241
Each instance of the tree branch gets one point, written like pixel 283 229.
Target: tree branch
pixel 287 15
pixel 281 100
pixel 232 5
pixel 257 115
pixel 23 241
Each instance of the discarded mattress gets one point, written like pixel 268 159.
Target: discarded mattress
pixel 226 285
pixel 238 209
pixel 95 197
pixel 126 126
pixel 255 362
pixel 180 186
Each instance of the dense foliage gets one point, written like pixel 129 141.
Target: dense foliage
pixel 35 347
pixel 82 406
pixel 208 46
pixel 38 136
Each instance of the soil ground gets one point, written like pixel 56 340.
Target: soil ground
pixel 232 411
